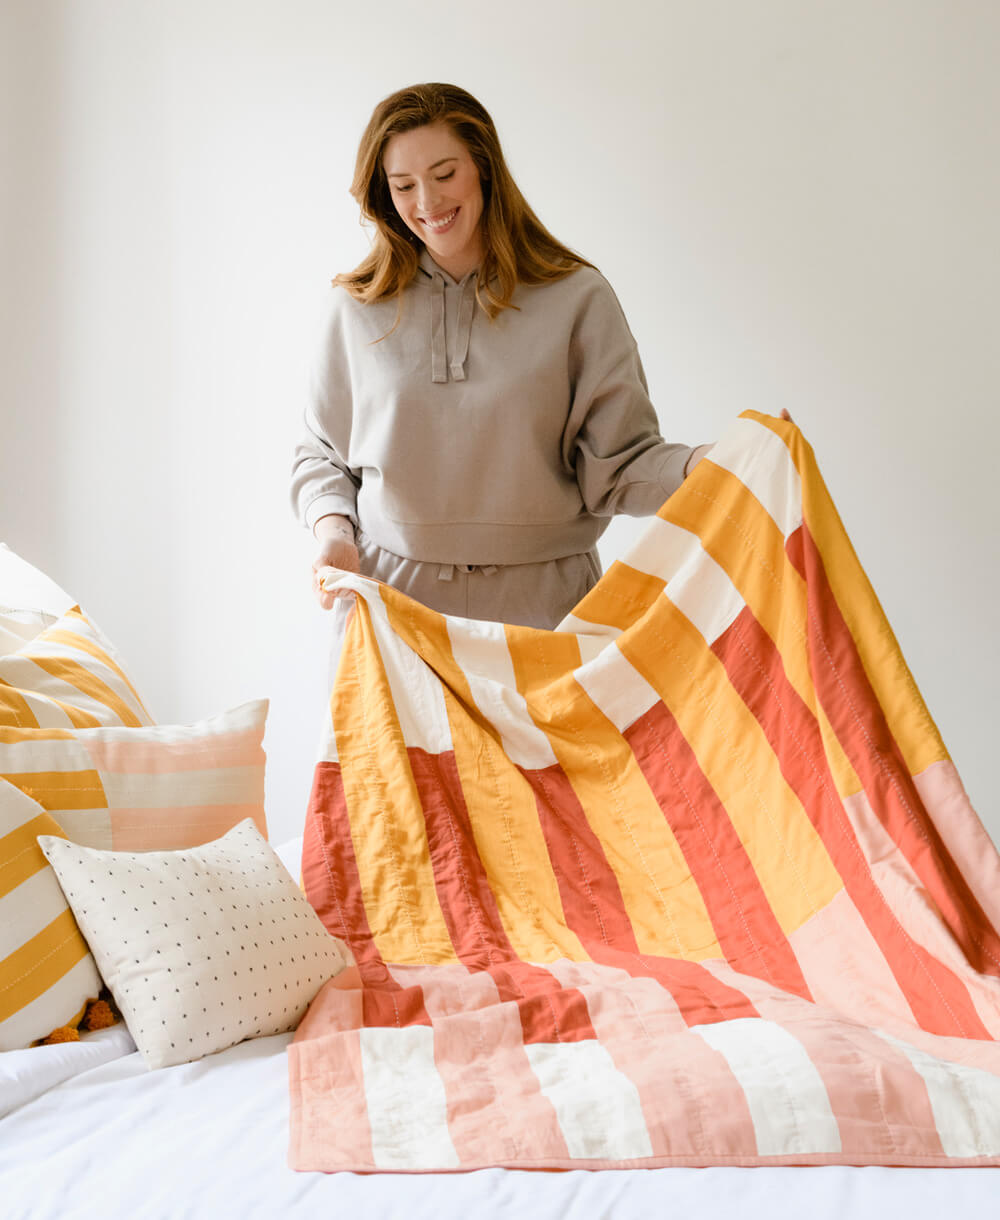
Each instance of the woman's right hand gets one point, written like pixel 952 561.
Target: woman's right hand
pixel 336 549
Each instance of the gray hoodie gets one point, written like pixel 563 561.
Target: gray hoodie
pixel 460 440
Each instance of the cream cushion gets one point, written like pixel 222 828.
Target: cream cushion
pixel 47 973
pixel 200 948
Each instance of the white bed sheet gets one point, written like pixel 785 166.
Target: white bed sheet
pixel 209 1139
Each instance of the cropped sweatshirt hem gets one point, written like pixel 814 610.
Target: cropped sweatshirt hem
pixel 484 542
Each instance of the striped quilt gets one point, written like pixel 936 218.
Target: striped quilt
pixel 691 880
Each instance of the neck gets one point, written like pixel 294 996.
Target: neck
pixel 462 263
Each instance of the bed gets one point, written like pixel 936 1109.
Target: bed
pixel 209 1139
pixel 85 1123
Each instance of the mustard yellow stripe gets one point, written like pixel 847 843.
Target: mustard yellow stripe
pixel 387 824
pixel 793 866
pixel 74 674
pixel 906 712
pixel 40 963
pixel 15 712
pixel 621 597
pixel 501 805
pixel 10 736
pixel 664 905
pixel 744 540
pixel 82 644
pixel 20 855
pixel 55 790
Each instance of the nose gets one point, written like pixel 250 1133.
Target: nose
pixel 427 198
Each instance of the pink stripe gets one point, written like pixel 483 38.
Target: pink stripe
pixel 207 751
pixel 692 1103
pixel 843 963
pixel 179 827
pixel 496 1110
pixel 329 1110
pixel 974 852
pixel 904 895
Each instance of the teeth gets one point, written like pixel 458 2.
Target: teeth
pixel 440 224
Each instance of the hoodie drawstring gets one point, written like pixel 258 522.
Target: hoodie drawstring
pixel 439 371
pixel 439 348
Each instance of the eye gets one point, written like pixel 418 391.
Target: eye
pixel 445 177
pixel 401 189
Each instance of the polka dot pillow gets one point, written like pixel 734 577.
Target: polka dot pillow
pixel 200 948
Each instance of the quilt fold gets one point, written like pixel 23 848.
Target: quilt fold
pixel 690 880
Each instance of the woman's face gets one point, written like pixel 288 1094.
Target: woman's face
pixel 435 186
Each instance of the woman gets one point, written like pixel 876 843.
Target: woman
pixel 479 409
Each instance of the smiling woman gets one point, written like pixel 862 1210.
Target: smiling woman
pixel 442 204
pixel 479 409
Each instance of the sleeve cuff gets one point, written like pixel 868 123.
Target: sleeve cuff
pixel 671 472
pixel 323 506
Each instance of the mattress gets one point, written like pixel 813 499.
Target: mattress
pixel 210 1139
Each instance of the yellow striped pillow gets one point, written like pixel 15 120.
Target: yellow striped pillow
pixel 47 973
pixel 68 676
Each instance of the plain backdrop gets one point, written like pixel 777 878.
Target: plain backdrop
pixel 796 203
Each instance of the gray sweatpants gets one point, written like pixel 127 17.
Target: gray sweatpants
pixel 531 594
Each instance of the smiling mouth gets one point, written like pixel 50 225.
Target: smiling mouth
pixel 441 223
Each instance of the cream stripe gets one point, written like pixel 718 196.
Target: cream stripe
pixel 47 712
pixel 965 1101
pixel 30 907
pixel 165 790
pixel 88 827
pixel 788 1101
pixel 617 688
pixel 416 691
pixel 407 1108
pixel 571 1075
pixel 761 461
pixel 44 754
pixel 481 650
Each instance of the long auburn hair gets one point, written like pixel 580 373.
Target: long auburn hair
pixel 517 248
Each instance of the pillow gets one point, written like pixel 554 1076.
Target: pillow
pixel 17 627
pixel 202 948
pixel 29 601
pixel 161 787
pixel 68 676
pixel 47 974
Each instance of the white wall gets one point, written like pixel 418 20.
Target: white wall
pixel 796 203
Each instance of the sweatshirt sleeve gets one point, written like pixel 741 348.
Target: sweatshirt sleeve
pixel 622 463
pixel 323 482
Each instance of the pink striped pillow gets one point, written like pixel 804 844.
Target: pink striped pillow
pixel 147 788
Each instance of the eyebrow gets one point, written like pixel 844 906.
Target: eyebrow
pixel 404 174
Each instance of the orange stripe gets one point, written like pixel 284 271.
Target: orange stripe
pixel 55 790
pixel 501 807
pixel 82 644
pixel 40 963
pixel 9 736
pixel 20 855
pixel 74 674
pixel 14 708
